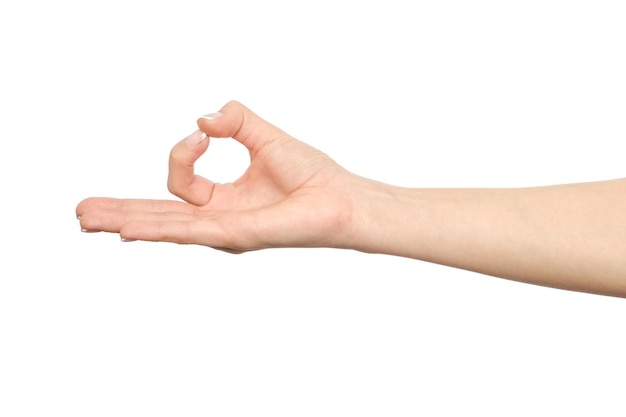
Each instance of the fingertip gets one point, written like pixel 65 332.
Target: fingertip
pixel 85 205
pixel 186 152
pixel 80 207
pixel 207 124
pixel 127 239
pixel 128 233
pixel 89 224
pixel 195 139
pixel 225 123
pixel 236 121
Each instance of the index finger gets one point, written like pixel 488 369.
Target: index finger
pixel 181 180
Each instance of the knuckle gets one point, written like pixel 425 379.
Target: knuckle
pixel 174 186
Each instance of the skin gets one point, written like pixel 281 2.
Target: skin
pixel 569 236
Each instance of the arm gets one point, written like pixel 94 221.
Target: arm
pixel 565 236
pixel 292 195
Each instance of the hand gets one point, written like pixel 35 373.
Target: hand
pixel 291 195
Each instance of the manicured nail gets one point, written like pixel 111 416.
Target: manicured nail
pixel 195 138
pixel 89 231
pixel 212 116
pixel 123 239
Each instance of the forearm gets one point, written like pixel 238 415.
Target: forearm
pixel 566 236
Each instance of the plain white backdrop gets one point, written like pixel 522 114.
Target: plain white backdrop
pixel 425 94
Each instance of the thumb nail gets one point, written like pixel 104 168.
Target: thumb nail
pixel 212 116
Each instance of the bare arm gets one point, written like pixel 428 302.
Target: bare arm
pixel 564 236
pixel 292 195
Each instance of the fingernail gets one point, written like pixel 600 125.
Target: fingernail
pixel 196 138
pixel 212 116
pixel 123 239
pixel 89 231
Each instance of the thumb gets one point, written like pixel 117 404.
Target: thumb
pixel 240 123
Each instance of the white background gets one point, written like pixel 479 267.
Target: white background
pixel 425 94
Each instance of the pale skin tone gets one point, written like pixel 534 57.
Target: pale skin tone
pixel 570 236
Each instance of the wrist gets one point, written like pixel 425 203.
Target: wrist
pixel 379 217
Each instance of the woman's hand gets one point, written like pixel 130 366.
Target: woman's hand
pixel 292 195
